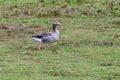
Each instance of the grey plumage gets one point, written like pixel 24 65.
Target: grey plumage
pixel 48 37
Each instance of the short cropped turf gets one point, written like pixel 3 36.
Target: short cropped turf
pixel 88 47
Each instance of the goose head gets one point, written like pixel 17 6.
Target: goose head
pixel 56 23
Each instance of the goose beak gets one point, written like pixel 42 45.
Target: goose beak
pixel 58 24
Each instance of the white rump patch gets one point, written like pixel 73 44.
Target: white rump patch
pixel 37 39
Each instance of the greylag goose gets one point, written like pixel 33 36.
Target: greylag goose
pixel 48 37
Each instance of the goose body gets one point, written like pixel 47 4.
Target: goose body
pixel 48 37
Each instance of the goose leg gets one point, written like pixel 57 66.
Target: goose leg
pixel 39 46
pixel 49 46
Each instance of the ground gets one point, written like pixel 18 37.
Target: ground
pixel 88 48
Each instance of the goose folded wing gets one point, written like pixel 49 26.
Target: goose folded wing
pixel 47 37
pixel 43 36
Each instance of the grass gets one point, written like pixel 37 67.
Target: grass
pixel 88 48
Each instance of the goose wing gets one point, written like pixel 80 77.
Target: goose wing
pixel 48 37
pixel 43 35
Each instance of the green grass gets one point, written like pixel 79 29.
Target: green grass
pixel 88 48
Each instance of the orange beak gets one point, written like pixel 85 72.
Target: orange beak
pixel 58 24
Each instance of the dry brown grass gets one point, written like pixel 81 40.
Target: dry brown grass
pixel 92 9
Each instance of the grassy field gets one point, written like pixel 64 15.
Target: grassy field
pixel 88 48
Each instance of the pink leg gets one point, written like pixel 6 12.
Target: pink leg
pixel 39 46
